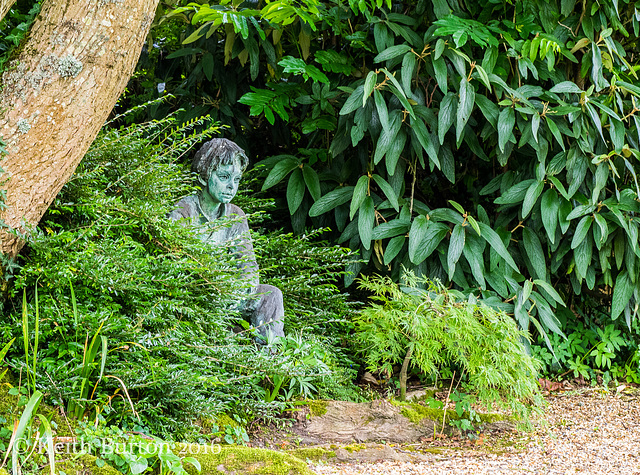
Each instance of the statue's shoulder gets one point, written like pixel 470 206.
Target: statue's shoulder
pixel 233 210
pixel 187 207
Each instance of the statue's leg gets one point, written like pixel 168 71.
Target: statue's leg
pixel 268 316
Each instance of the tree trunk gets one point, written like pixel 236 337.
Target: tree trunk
pixel 70 72
pixel 5 6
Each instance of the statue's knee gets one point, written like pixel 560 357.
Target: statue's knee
pixel 271 293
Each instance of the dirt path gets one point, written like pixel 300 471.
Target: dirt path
pixel 588 431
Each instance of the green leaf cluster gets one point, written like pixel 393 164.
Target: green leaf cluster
pixel 437 330
pixel 372 120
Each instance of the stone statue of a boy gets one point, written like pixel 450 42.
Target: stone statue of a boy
pixel 219 165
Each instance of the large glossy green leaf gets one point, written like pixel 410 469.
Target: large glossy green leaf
pixel 360 192
pixel 312 181
pixel 580 211
pixel 516 193
pixel 369 84
pixel 424 237
pixel 582 254
pixel 391 228
pixel 497 245
pixel 440 71
pixel 595 118
pixel 618 248
pixel 563 211
pixel 446 115
pixel 531 197
pixel 423 136
pixel 596 70
pixel 546 314
pixel 465 107
pixel 622 292
pixel 547 287
pixel 582 229
pixel 549 207
pixel 295 190
pixel 392 52
pixel 566 86
pixel 381 107
pixel 332 199
pixel 535 253
pixel 354 101
pixel 366 220
pixel 387 190
pixel 280 170
pixel 456 244
pixel 555 131
pixel 447 215
pixel 393 248
pixel 408 66
pixel 476 265
pixel 489 109
pixel 602 228
pixel 617 133
pixel 506 123
pixel 393 154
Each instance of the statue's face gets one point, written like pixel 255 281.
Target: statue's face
pixel 223 182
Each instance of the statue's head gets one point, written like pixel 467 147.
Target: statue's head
pixel 219 164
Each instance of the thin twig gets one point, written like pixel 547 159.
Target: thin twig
pixel 444 417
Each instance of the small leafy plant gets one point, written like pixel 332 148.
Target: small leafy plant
pixel 302 363
pixel 131 454
pixel 593 352
pixel 431 330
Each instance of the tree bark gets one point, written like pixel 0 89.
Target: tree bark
pixel 5 6
pixel 69 74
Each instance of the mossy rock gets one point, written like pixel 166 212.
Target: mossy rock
pixel 417 412
pixel 219 423
pixel 237 460
pixel 315 454
pixel 83 465
pixel 317 408
pixel 3 472
pixel 9 409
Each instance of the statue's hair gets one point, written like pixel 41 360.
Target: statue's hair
pixel 214 153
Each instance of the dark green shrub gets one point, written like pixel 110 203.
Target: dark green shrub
pixel 490 144
pixel 107 263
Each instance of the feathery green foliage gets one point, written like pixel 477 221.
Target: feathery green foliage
pixel 442 331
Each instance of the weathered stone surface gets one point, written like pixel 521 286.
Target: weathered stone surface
pixel 343 422
pixel 346 422
pixel 369 452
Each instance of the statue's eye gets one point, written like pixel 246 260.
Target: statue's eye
pixel 224 177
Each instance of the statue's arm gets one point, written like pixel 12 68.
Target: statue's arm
pixel 241 231
pixel 184 212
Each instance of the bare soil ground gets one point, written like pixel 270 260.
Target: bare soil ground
pixel 589 431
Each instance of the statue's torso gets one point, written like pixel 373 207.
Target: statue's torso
pixel 189 212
